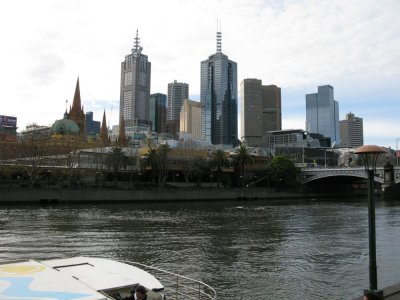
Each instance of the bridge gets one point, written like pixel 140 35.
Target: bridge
pixel 311 174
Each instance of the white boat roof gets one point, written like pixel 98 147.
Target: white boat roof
pixel 71 278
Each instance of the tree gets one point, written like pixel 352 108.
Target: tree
pixel 240 159
pixel 218 162
pixel 116 159
pixel 200 168
pixel 32 153
pixel 283 171
pixel 162 155
pixel 151 161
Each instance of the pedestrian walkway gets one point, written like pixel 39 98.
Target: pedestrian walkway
pixel 389 293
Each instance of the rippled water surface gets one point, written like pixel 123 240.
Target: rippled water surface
pixel 256 249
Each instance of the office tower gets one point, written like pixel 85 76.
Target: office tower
pixel 177 92
pixel 260 111
pixel 135 87
pixel 92 127
pixel 351 131
pixel 158 111
pixel 322 114
pixel 218 95
pixel 76 112
pixel 190 120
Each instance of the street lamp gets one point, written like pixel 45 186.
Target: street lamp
pixel 369 155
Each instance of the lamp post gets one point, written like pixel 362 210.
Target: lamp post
pixel 369 155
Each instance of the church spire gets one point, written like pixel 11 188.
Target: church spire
pixel 76 113
pixel 103 130
pixel 77 97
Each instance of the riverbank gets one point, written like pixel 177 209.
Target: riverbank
pixel 389 293
pixel 145 195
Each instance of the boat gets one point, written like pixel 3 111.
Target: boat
pixel 94 278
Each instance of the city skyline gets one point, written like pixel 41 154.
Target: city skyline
pixel 297 45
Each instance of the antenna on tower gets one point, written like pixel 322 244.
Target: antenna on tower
pixel 219 38
pixel 137 49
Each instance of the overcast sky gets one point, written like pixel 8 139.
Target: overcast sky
pixel 353 45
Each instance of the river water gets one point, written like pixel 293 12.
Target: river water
pixel 245 249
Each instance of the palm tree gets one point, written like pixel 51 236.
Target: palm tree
pixel 157 160
pixel 116 159
pixel 218 162
pixel 240 159
pixel 151 160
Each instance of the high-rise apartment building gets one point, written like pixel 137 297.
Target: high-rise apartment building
pixel 260 111
pixel 322 114
pixel 218 95
pixel 158 111
pixel 92 127
pixel 351 131
pixel 177 92
pixel 190 119
pixel 135 87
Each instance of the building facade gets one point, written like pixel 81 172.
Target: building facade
pixel 135 87
pixel 322 114
pixel 260 111
pixel 218 95
pixel 92 127
pixel 190 120
pixel 351 131
pixel 177 92
pixel 8 128
pixel 158 111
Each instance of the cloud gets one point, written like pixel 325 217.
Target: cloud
pixel 295 44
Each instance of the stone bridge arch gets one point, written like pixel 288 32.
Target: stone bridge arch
pixel 313 174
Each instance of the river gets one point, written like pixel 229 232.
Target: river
pixel 286 249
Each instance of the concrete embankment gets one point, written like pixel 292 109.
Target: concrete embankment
pixel 389 293
pixel 135 195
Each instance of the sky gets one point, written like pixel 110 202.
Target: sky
pixel 353 45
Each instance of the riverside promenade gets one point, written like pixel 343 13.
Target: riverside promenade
pixel 389 293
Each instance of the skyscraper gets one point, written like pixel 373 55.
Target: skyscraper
pixel 92 127
pixel 190 117
pixel 135 87
pixel 177 92
pixel 322 114
pixel 351 131
pixel 158 111
pixel 260 111
pixel 218 95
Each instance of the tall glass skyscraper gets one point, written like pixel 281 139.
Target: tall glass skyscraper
pixel 177 92
pixel 135 87
pixel 158 111
pixel 322 114
pixel 218 95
